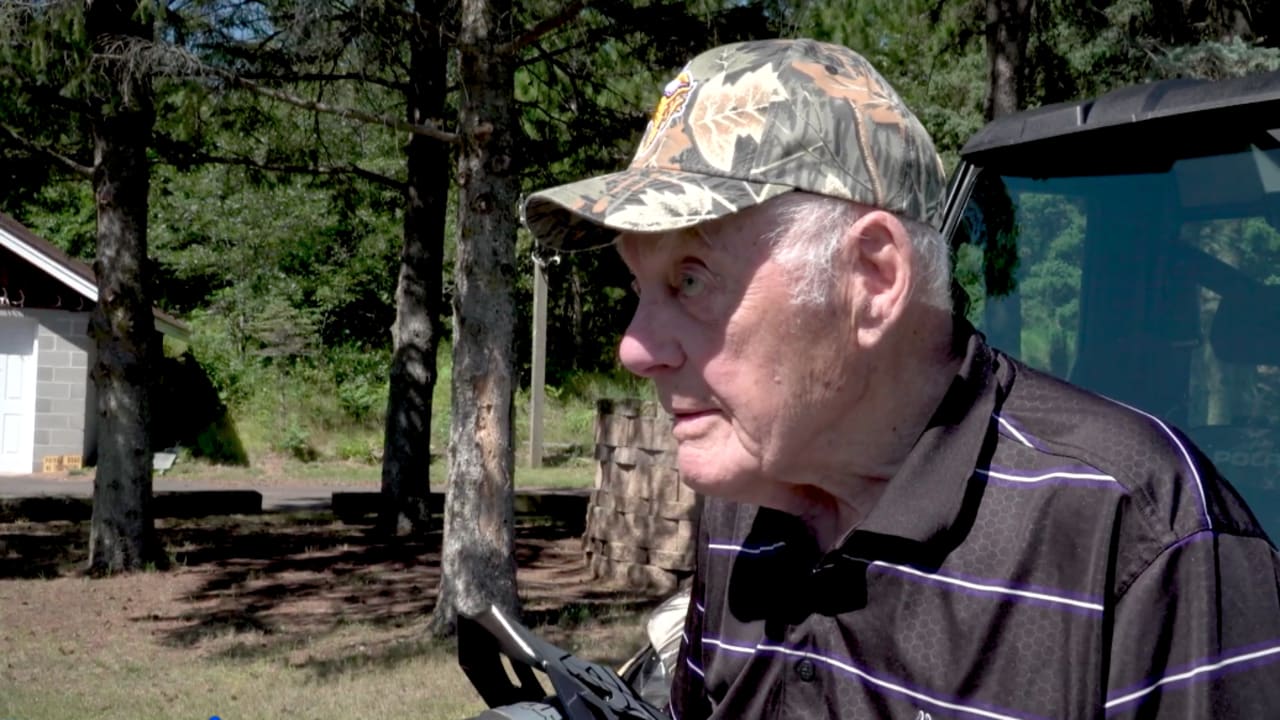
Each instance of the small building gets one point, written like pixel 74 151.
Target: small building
pixel 47 401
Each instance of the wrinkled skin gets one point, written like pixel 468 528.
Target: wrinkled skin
pixel 807 409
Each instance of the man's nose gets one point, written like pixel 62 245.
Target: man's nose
pixel 649 345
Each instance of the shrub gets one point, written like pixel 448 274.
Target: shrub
pixel 296 441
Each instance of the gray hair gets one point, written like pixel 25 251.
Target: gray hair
pixel 807 239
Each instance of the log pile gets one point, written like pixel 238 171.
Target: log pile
pixel 641 518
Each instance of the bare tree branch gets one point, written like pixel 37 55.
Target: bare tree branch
pixel 151 57
pixel 327 77
pixel 63 160
pixel 345 112
pixel 592 36
pixel 181 154
pixel 546 27
pixel 414 19
pixel 297 169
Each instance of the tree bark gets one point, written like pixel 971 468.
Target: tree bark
pixel 1008 27
pixel 1007 30
pixel 477 559
pixel 406 458
pixel 122 532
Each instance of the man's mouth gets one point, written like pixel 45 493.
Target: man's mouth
pixel 687 414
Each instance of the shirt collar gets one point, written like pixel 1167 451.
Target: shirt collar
pixel 924 508
pixel 926 498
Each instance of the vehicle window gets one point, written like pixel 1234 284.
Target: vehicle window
pixel 1235 378
pixel 1037 315
pixel 1160 290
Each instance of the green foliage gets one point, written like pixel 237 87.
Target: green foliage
pixel 586 92
pixel 1083 49
pixel 289 311
pixel 361 379
pixel 967 271
pixel 570 412
pixel 616 385
pixel 359 449
pixel 932 53
pixel 276 229
pixel 46 43
pixel 63 213
pixel 187 410
pixel 296 441
pixel 1215 59
pixel 44 82
pixel 1050 244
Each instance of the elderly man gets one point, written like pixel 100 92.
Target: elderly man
pixel 901 521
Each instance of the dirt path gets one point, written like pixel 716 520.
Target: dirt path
pixel 275 498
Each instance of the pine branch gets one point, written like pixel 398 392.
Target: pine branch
pixel 63 160
pixel 46 95
pixel 546 27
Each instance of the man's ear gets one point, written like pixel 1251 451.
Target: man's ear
pixel 878 249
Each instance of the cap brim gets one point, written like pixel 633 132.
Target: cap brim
pixel 590 213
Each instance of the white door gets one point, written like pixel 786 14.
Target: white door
pixel 17 394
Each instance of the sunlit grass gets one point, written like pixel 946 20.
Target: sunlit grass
pixel 141 685
pixel 110 664
pixel 357 672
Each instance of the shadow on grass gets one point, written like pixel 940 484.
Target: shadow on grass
pixel 322 596
pixel 296 576
pixel 42 549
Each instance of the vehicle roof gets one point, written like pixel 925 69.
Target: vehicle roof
pixel 1182 110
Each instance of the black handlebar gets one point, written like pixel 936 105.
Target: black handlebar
pixel 583 690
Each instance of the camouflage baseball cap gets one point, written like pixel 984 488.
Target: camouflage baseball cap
pixel 746 122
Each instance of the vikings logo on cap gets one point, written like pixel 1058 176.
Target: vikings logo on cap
pixel 670 107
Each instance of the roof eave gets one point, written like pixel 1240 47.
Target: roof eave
pixel 59 271
pixel 70 272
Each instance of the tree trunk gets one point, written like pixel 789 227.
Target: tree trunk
pixel 122 532
pixel 406 460
pixel 1008 26
pixel 477 560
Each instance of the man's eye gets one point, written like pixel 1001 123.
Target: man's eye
pixel 691 285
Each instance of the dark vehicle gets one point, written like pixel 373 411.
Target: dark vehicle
pixel 1130 244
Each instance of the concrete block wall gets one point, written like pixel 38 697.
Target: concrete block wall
pixel 641 519
pixel 65 404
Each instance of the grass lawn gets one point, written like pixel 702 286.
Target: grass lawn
pixel 289 615
pixel 358 671
pixel 51 677
pixel 271 617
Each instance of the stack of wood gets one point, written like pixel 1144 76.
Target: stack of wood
pixel 640 522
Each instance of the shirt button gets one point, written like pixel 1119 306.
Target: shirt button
pixel 805 670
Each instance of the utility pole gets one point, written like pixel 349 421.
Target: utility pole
pixel 537 393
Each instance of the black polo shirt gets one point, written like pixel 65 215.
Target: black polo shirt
pixel 1042 553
